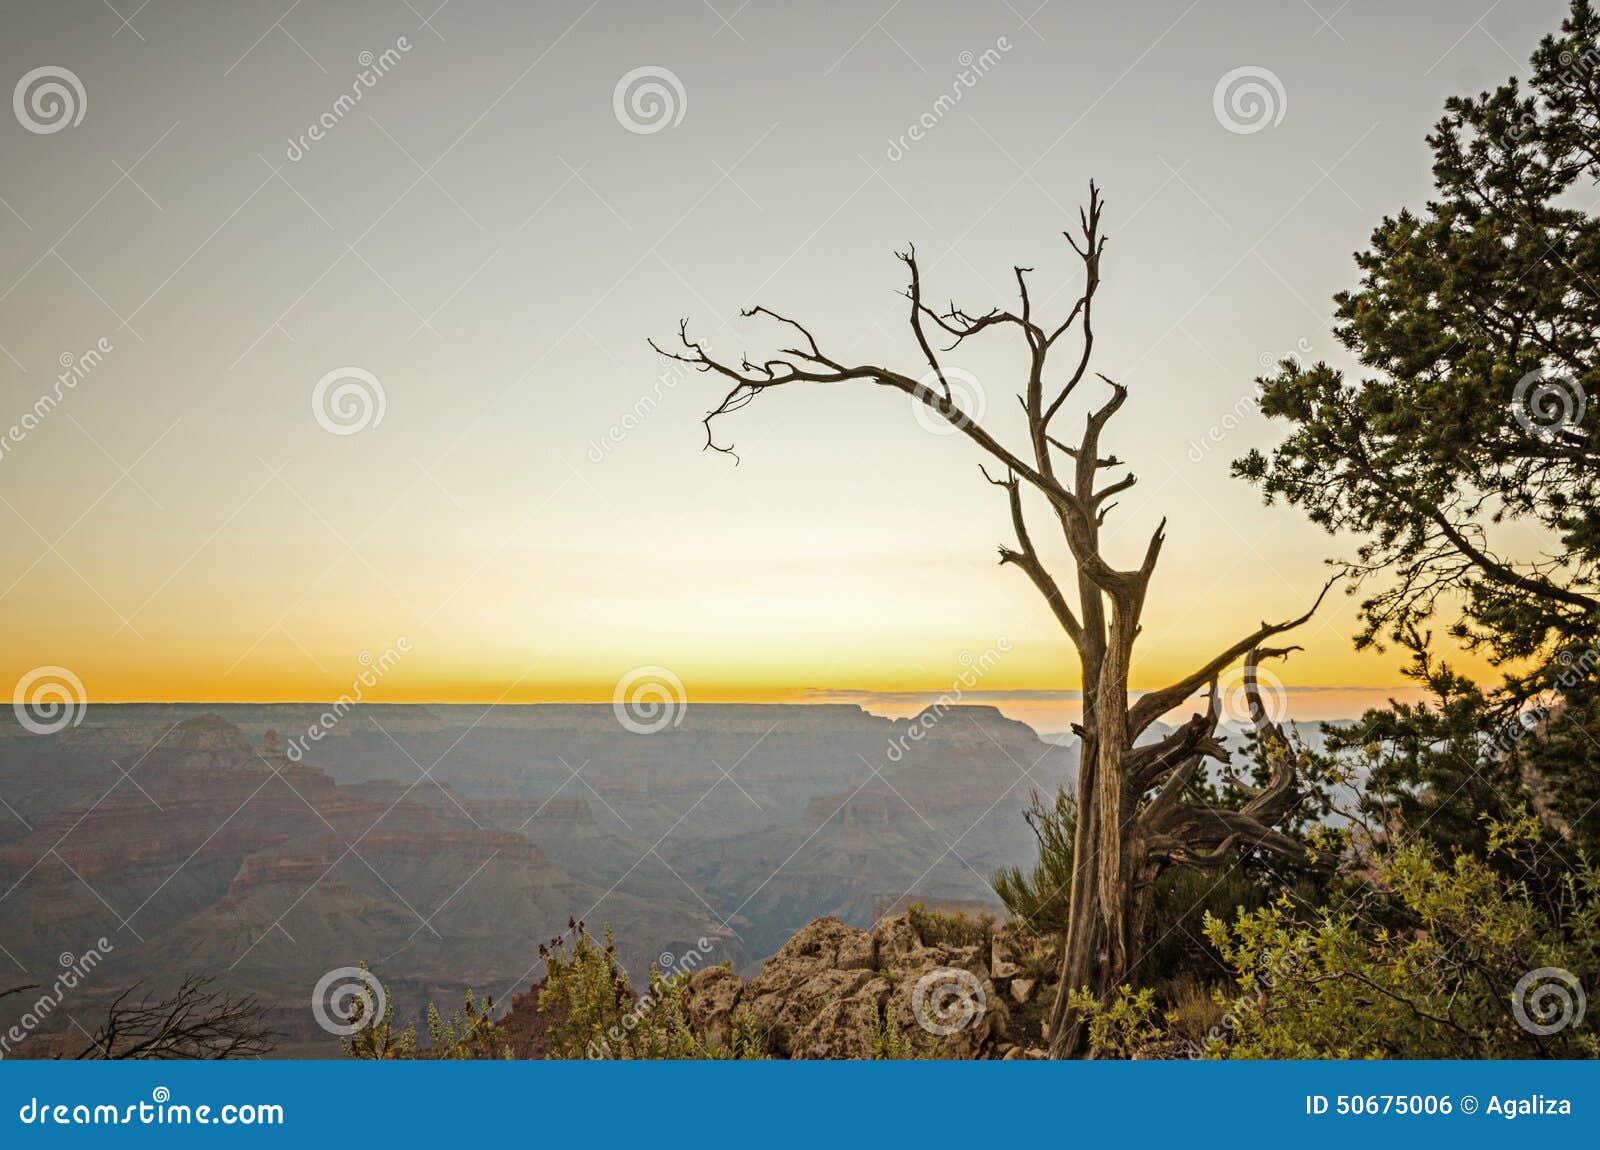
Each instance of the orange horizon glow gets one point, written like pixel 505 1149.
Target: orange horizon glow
pixel 861 645
pixel 1044 709
pixel 525 493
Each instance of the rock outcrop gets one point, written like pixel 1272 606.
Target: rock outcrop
pixel 835 991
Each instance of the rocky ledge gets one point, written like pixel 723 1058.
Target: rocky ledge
pixel 834 991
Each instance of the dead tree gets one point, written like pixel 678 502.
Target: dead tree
pixel 193 1022
pixel 1138 810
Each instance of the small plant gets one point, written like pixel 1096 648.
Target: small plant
pixel 939 928
pixel 1437 957
pixel 1195 1011
pixel 749 1040
pixel 377 1039
pixel 585 991
pixel 889 1044
pixel 471 1033
pixel 1037 898
pixel 596 1014
pixel 1119 1027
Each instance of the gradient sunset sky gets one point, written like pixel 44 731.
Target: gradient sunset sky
pixel 485 235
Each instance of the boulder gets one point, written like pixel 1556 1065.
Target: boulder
pixel 1002 961
pixel 786 998
pixel 711 999
pixel 857 952
pixel 894 940
pixel 944 1015
pixel 847 1028
pixel 819 940
pixel 834 991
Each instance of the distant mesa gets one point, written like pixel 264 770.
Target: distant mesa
pixel 209 733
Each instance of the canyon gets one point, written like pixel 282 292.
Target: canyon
pixel 438 845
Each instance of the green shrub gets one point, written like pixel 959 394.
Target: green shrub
pixel 471 1033
pixel 890 1044
pixel 1037 901
pixel 1119 1027
pixel 1424 961
pixel 595 1013
pixel 941 928
pixel 467 1034
pixel 1040 897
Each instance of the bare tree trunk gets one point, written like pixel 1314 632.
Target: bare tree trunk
pixel 1136 810
pixel 1102 935
pixel 1085 958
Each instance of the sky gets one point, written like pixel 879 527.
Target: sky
pixel 355 376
